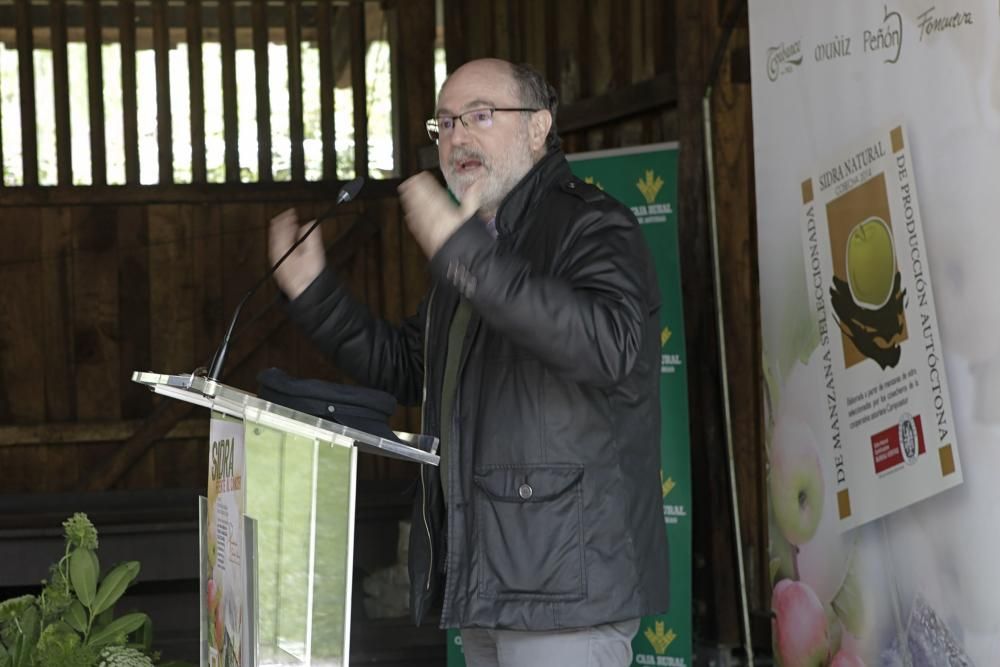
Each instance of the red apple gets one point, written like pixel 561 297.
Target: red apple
pixel 799 629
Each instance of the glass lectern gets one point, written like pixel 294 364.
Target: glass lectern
pixel 297 546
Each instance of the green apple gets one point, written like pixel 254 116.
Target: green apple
pixel 849 603
pixel 871 263
pixel 796 480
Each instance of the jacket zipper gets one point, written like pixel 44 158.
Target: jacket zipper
pixel 423 422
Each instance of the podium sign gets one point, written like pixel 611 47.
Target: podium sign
pixel 297 544
pixel 224 574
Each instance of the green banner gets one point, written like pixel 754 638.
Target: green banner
pixel 644 178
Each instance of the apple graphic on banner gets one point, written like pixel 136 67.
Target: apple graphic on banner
pixel 847 659
pixel 796 480
pixel 871 263
pixel 823 561
pixel 798 627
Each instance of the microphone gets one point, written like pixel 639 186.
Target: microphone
pixel 346 194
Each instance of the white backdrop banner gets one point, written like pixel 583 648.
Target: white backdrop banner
pixel 877 153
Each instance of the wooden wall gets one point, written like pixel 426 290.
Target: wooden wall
pixel 96 290
pixel 99 281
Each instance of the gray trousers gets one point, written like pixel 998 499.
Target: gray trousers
pixel 608 645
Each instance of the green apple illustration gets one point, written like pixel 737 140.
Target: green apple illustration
pixel 871 263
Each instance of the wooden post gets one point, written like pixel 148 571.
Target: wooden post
pixel 130 104
pixel 95 88
pixel 359 49
pixel 260 41
pixel 196 85
pixel 164 117
pixel 296 131
pixel 230 119
pixel 26 80
pixel 60 82
pixel 327 83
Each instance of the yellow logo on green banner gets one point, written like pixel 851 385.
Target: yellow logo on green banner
pixel 649 186
pixel 659 639
pixel 667 484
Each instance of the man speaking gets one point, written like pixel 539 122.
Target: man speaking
pixel 536 358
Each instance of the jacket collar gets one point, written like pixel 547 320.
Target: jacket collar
pixel 552 168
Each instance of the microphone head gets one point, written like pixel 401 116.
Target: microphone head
pixel 350 190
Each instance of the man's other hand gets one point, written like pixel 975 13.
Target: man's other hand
pixel 305 263
pixel 430 213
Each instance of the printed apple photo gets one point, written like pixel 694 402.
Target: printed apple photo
pixel 818 604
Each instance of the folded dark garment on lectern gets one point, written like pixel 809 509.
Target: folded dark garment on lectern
pixel 361 408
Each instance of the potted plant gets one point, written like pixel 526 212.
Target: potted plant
pixel 71 622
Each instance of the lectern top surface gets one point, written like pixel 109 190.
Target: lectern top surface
pixel 244 405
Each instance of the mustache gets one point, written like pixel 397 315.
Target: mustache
pixel 459 155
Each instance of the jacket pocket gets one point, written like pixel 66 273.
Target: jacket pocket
pixel 530 532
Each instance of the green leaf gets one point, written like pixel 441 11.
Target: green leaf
pixel 83 571
pixel 20 654
pixel 76 616
pixel 120 626
pixel 31 625
pixel 114 585
pixel 103 619
pixel 147 636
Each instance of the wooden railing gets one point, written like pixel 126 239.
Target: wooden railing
pixel 340 31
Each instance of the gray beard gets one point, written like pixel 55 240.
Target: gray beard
pixel 502 175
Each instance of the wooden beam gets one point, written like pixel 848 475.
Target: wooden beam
pixel 168 413
pixel 327 81
pixel 164 117
pixel 95 91
pixel 195 193
pixel 359 48
pixel 2 184
pixel 79 433
pixel 60 81
pixel 296 130
pixel 144 16
pixel 130 103
pixel 455 33
pixel 397 106
pixel 196 83
pixel 26 81
pixel 260 42
pixel 230 119
pixel 657 93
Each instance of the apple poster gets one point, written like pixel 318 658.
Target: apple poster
pixel 886 422
pixel 877 155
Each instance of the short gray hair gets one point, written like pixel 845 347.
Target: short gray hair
pixel 537 93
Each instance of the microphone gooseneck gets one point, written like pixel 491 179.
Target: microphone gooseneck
pixel 346 194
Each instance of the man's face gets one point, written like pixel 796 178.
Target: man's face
pixel 498 156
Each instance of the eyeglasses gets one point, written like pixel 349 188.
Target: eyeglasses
pixel 482 119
